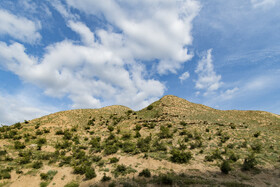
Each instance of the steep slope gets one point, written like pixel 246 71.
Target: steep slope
pixel 173 140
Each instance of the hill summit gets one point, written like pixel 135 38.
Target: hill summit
pixel 170 142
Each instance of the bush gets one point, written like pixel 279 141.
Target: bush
pixel 183 123
pixel 126 136
pixel 72 184
pixel 145 173
pixel 137 134
pixel 233 157
pixel 96 158
pixel 180 156
pixel 110 128
pixel 105 178
pixel 18 145
pixel 114 160
pixel 257 134
pixel 128 147
pixel 144 144
pixel 67 135
pixel 59 132
pixel 165 179
pixel 225 167
pixel 38 132
pixel 164 133
pixel 257 146
pixel 5 175
pixel 90 173
pixel 150 107
pixel 249 163
pixel 80 169
pixel 91 122
pixel 138 127
pixel 17 125
pixel 110 149
pixel 37 164
pixel 41 141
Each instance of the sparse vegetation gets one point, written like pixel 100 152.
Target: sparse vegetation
pixel 97 141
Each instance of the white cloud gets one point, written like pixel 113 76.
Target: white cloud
pixel 19 28
pixel 62 9
pixel 20 107
pixel 150 29
pixel 87 36
pixel 86 74
pixel 263 3
pixel 184 76
pixel 207 78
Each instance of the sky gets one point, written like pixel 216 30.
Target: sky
pixel 66 54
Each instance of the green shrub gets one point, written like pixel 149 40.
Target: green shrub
pixel 81 169
pixel 67 135
pixel 5 175
pixel 144 144
pixel 126 136
pixel 150 107
pixel 112 184
pixel 256 147
pixel 91 122
pixel 37 164
pixel 114 160
pixel 145 173
pixel 225 167
pixel 165 179
pixel 17 125
pixel 233 157
pixel 59 132
pixel 3 152
pixel 110 128
pixel 44 176
pixel 72 184
pixel 128 147
pixel 232 126
pixel 110 149
pixel 18 145
pixel 183 123
pixel 158 146
pixel 208 158
pixel 138 127
pixel 257 134
pixel 96 158
pixel 44 184
pixel 137 134
pixel 180 156
pixel 249 162
pixel 38 132
pixel 41 141
pixel 105 178
pixel 90 173
pixel 164 132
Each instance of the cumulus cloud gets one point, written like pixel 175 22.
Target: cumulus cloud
pixel 207 80
pixel 184 76
pixel 86 74
pixel 15 108
pixel 151 30
pixel 19 28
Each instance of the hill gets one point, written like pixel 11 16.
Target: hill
pixel 170 142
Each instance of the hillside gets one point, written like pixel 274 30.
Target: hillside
pixel 171 142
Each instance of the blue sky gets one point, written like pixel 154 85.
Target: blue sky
pixel 65 54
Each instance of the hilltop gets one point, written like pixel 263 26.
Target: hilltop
pixel 170 142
